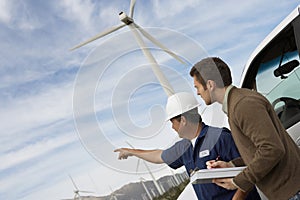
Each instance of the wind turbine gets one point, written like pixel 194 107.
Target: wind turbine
pixel 153 191
pixel 144 196
pixel 138 32
pixel 114 194
pixel 185 175
pixel 162 187
pixel 77 191
pixel 156 184
pixel 145 188
pixel 175 177
pixel 171 183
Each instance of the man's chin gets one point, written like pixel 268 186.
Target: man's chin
pixel 208 103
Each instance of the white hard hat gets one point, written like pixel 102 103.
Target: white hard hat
pixel 180 103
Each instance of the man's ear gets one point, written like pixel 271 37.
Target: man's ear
pixel 211 85
pixel 183 120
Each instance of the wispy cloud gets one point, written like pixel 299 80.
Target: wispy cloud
pixel 32 151
pixel 5 14
pixel 31 109
pixel 78 11
pixel 19 15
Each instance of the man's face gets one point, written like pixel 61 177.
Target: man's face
pixel 204 93
pixel 176 125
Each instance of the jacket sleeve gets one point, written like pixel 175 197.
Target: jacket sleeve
pixel 238 162
pixel 251 115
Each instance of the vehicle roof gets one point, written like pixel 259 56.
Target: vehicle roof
pixel 269 38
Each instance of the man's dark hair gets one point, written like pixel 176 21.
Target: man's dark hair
pixel 212 68
pixel 191 116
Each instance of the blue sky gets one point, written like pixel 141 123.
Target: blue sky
pixel 64 112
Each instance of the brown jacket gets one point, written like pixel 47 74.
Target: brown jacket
pixel 272 157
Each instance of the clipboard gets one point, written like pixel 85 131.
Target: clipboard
pixel 206 175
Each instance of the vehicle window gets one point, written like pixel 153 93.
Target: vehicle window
pixel 279 81
pixel 274 87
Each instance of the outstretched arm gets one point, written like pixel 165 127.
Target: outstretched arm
pixel 153 156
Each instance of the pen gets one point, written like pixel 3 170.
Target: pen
pixel 192 172
pixel 218 158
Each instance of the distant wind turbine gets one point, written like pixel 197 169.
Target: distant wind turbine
pixel 158 187
pixel 138 32
pixel 153 192
pixel 77 191
pixel 145 188
pixel 144 196
pixel 171 183
pixel 114 194
pixel 175 178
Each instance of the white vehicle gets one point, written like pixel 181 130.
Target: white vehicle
pixel 273 70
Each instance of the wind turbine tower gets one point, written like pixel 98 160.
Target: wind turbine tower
pixel 158 187
pixel 77 191
pixel 147 191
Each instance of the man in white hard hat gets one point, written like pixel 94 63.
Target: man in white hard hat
pixel 200 144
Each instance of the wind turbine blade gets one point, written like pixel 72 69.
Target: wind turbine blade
pixel 129 144
pixel 102 34
pixel 132 4
pixel 157 43
pixel 111 189
pixel 73 183
pixel 86 191
pixel 138 162
pixel 137 165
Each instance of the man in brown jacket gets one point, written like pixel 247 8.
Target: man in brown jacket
pixel 271 156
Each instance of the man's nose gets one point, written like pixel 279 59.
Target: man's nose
pixel 173 127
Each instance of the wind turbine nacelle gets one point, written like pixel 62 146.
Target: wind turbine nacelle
pixel 124 18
